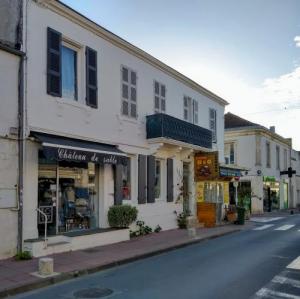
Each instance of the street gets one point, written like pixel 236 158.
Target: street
pixel 248 264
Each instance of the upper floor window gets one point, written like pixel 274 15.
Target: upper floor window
pixel 62 65
pixel 268 154
pixel 129 94
pixel 285 158
pixel 229 153
pixel 257 150
pixel 69 73
pixel 213 123
pixel 190 110
pixel 277 157
pixel 159 97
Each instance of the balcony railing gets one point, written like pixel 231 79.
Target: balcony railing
pixel 163 125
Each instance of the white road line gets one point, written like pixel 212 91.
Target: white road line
pixel 264 292
pixel 285 227
pixel 263 227
pixel 265 219
pixel 285 280
pixel 295 264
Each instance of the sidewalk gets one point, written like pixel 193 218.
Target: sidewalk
pixel 15 276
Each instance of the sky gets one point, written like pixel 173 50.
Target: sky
pixel 246 51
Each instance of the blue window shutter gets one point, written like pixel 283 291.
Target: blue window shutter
pixel 91 78
pixel 142 179
pixel 53 62
pixel 150 179
pixel 170 184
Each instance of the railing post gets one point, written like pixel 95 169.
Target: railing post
pixel 45 235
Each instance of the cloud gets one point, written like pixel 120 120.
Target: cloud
pixel 297 41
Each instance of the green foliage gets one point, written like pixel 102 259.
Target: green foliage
pixel 121 216
pixel 181 220
pixel 142 229
pixel 157 229
pixel 24 255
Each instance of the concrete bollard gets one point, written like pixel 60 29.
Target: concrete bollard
pixel 45 266
pixel 192 232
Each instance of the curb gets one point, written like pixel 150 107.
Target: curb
pixel 75 274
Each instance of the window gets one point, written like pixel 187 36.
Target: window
pixel 190 110
pixel 229 153
pixel 213 123
pixel 285 165
pixel 63 78
pixel 159 97
pixel 157 184
pixel 277 157
pixel 68 194
pixel 126 190
pixel 268 154
pixel 69 73
pixel 258 151
pixel 129 94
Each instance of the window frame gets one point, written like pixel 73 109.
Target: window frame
pixel 268 154
pixel 277 157
pixel 192 114
pixel 230 145
pixel 66 44
pixel 160 97
pixel 129 85
pixel 214 119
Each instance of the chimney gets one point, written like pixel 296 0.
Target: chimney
pixel 272 129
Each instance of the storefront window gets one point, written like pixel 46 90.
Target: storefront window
pixel 213 192
pixel 126 190
pixel 68 195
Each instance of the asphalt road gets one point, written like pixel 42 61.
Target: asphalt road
pixel 238 266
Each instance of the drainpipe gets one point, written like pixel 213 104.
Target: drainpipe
pixel 21 147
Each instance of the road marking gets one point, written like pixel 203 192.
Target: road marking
pixel 263 227
pixel 295 264
pixel 285 280
pixel 265 219
pixel 285 227
pixel 264 292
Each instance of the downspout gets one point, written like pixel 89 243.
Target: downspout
pixel 21 146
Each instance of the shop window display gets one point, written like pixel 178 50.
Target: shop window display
pixel 126 182
pixel 67 192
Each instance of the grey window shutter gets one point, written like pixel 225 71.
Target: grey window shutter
pixel 170 184
pixel 53 62
pixel 141 179
pixel 91 78
pixel 118 185
pixel 150 179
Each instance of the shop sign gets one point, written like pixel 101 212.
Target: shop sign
pixel 200 191
pixel 64 154
pixel 206 166
pixel 229 172
pixel 269 179
pixel 226 193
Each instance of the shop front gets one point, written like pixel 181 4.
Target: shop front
pixel 210 191
pixel 271 193
pixel 69 188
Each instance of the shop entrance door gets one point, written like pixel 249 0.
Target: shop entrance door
pixel 186 187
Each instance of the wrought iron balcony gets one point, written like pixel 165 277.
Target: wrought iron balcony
pixel 163 125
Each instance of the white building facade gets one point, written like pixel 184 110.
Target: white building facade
pixel 265 154
pixel 106 124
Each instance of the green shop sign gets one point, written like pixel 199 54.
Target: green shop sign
pixel 269 179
